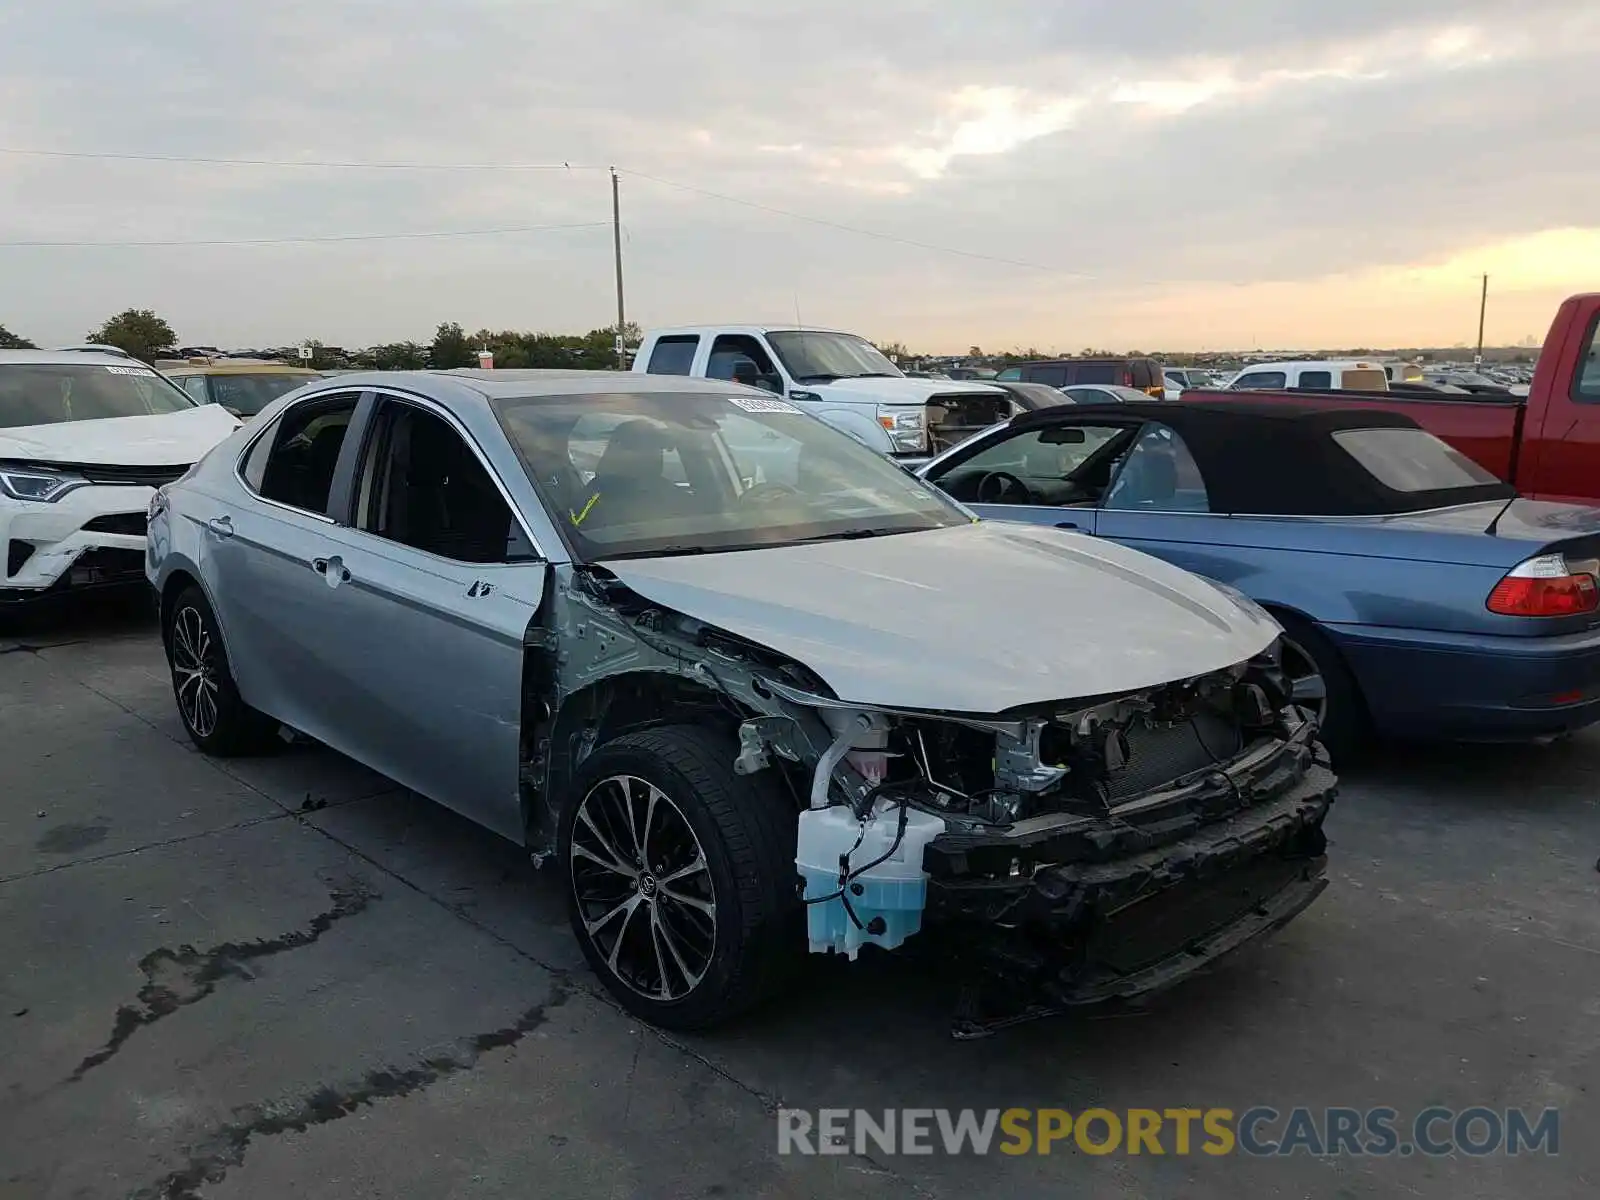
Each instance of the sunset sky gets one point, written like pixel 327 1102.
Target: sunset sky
pixel 1019 173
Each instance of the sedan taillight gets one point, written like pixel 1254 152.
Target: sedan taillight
pixel 1545 586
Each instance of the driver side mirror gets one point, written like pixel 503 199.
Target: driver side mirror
pixel 1067 435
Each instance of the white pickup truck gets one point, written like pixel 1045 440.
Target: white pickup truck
pixel 839 377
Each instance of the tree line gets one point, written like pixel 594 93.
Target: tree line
pixel 148 337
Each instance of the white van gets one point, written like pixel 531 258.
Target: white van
pixel 1320 375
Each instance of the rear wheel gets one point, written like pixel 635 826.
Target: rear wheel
pixel 1324 686
pixel 680 876
pixel 213 713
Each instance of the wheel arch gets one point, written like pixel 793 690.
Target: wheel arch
pixel 585 719
pixel 1297 616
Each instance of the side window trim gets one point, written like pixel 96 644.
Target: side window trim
pixel 1128 457
pixel 272 428
pixel 380 396
pixel 1588 345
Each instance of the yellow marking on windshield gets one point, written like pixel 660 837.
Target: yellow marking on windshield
pixel 577 518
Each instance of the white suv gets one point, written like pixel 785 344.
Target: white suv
pixel 86 436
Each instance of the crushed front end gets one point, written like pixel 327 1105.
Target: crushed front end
pixel 1055 854
pixel 1095 850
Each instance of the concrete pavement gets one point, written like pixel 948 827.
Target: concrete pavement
pixel 286 976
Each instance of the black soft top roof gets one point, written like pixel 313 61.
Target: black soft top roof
pixel 1277 459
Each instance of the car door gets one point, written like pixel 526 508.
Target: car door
pixel 263 535
pixel 431 588
pixel 1043 474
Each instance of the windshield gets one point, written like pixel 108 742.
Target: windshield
pixel 629 475
pixel 50 393
pixel 817 357
pixel 249 394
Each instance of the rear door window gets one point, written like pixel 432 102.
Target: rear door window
pixel 1412 460
pixel 1364 379
pixel 298 470
pixel 673 355
pixel 1050 374
pixel 1094 373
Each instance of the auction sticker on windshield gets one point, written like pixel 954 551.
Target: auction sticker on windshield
pixel 130 371
pixel 757 404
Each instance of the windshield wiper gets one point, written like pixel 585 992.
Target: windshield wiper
pixel 850 535
pixel 667 552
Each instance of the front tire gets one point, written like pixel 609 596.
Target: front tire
pixel 213 713
pixel 680 876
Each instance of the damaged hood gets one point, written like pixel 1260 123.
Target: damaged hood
pixel 164 439
pixel 976 619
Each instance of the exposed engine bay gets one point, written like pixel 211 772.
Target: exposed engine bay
pixel 1087 849
pixel 953 418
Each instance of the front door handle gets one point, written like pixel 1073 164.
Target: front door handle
pixel 331 569
pixel 221 526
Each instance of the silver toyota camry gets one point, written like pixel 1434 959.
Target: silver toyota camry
pixel 750 688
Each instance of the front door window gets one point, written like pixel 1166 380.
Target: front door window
pixel 1056 465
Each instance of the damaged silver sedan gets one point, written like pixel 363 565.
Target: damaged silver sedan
pixel 749 687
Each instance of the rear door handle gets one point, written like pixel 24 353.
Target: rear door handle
pixel 1068 525
pixel 221 526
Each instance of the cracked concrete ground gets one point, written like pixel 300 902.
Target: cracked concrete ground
pixel 286 976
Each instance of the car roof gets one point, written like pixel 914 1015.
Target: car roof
pixel 69 358
pixel 1267 459
pixel 1318 364
pixel 1094 358
pixel 468 383
pixel 685 330
pixel 1115 389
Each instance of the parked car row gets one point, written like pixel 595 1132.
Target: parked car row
pixel 719 643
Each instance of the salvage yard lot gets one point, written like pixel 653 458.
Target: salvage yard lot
pixel 288 977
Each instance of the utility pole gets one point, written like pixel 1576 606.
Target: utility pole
pixel 616 242
pixel 1483 308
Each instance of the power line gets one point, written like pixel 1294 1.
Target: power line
pixel 327 164
pixel 284 241
pixel 789 214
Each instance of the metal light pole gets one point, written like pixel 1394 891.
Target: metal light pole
pixel 1483 307
pixel 616 243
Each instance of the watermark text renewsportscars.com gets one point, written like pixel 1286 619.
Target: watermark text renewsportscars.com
pixel 1255 1132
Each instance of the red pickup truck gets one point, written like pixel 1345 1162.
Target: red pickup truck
pixel 1547 444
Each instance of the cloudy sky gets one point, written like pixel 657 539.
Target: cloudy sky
pixel 1051 173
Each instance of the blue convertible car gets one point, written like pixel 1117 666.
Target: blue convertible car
pixel 1419 596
